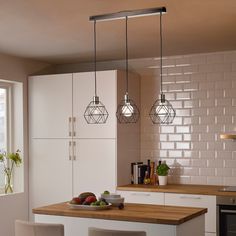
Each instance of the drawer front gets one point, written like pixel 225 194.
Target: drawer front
pixel 190 200
pixel 143 197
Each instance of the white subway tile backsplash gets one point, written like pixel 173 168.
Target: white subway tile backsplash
pixel 215 58
pixel 175 137
pixel 202 90
pixel 167 129
pixel 215 76
pixel 198 180
pixel 182 129
pixel 229 181
pixel 225 84
pixel 224 172
pixel 199 146
pixel 206 102
pixel 213 94
pixel 224 102
pixel 183 95
pixel 175 154
pixel 199 163
pixel 191 154
pixel 167 145
pixel 214 111
pixel 183 145
pixel 215 163
pixel 224 155
pixel 207 171
pixel 208 154
pixel 183 112
pixel 214 180
pixel 230 163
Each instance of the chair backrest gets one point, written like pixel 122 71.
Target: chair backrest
pixel 108 232
pixel 25 228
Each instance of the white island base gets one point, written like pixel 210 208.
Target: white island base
pixel 77 226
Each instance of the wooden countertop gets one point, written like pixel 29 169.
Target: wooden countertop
pixel 179 188
pixel 132 212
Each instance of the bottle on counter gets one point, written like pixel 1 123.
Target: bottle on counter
pixel 146 178
pixel 157 181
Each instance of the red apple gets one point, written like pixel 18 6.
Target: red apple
pixel 90 199
pixel 75 200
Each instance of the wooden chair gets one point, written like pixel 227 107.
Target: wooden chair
pixel 25 228
pixel 107 232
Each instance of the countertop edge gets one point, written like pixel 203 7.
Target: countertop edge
pixel 51 210
pixel 213 190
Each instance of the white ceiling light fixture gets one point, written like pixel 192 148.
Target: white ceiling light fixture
pixel 162 111
pixel 96 112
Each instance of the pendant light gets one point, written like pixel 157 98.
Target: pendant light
pixel 127 111
pixel 95 112
pixel 162 111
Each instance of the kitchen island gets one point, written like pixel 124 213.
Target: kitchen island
pixel 155 220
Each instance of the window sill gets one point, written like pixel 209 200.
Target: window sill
pixel 2 193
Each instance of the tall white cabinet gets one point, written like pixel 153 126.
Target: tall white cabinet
pixel 67 155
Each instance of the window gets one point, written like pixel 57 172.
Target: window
pixel 4 119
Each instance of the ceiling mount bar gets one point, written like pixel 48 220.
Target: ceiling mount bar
pixel 129 14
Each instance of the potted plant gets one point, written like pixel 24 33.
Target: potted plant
pixel 162 171
pixel 9 160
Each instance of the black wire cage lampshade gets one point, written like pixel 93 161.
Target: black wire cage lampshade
pixel 127 110
pixel 95 112
pixel 162 111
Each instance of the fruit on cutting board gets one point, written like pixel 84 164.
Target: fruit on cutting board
pixel 84 195
pixel 90 199
pixel 75 200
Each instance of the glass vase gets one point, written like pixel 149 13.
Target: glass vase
pixel 8 184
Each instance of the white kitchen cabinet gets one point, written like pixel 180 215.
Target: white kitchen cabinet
pixel 192 200
pixel 68 156
pixel 50 106
pixel 83 92
pixel 50 171
pixel 142 197
pixel 94 166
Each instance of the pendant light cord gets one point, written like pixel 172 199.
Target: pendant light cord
pixel 95 57
pixel 126 49
pixel 161 47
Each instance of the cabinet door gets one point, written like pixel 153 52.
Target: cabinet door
pixel 50 171
pixel 143 197
pixel 83 92
pixel 50 106
pixel 190 200
pixel 94 167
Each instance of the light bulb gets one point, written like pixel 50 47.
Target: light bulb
pixel 161 112
pixel 127 110
pixel 97 111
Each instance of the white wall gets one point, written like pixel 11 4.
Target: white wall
pixel 15 206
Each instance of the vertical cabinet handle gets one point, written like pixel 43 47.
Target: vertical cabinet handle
pixel 74 150
pixel 70 144
pixel 74 120
pixel 70 126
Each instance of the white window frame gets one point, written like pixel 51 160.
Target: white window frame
pixel 9 118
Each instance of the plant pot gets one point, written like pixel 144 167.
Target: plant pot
pixel 162 180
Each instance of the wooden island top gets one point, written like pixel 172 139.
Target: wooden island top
pixel 144 213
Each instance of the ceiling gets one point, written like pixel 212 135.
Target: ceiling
pixel 59 31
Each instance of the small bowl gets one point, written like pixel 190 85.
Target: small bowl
pixel 115 201
pixel 110 196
